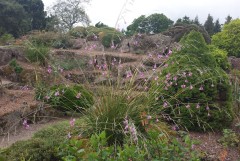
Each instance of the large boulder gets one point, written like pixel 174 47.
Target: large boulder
pixel 142 43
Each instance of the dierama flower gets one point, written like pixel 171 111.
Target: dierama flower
pixel 129 74
pixel 57 93
pixel 25 124
pixel 183 86
pixel 198 106
pixel 191 87
pixel 72 122
pixel 165 104
pixel 49 70
pixel 201 88
pixel 78 95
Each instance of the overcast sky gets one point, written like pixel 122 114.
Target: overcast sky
pixel 108 11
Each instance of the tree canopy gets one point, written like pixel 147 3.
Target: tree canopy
pixel 155 23
pixel 70 12
pixel 209 25
pixel 20 16
pixel 229 38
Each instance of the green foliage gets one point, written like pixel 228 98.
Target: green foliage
pixel 111 109
pixel 220 57
pixel 37 53
pixel 69 63
pixel 217 27
pixel 6 39
pixel 110 39
pixel 230 138
pixel 155 23
pixel 78 32
pixel 35 12
pixel 63 41
pixel 42 147
pixel 229 38
pixel 70 12
pixel 209 25
pixel 69 98
pixel 17 68
pixel 194 43
pixel 14 19
pixel 193 89
pixel 20 16
pixel 43 38
pixel 153 147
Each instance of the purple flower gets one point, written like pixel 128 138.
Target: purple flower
pixel 198 106
pixel 207 108
pixel 183 86
pixel 78 95
pixel 47 97
pixel 49 70
pixel 57 93
pixel 25 124
pixel 165 104
pixel 149 117
pixel 191 87
pixel 69 135
pixel 72 122
pixel 129 74
pixel 190 74
pixel 201 88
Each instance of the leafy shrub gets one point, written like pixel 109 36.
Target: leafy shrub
pixel 220 57
pixel 78 32
pixel 6 39
pixel 229 38
pixel 42 147
pixel 153 147
pixel 229 138
pixel 17 68
pixel 43 38
pixel 37 53
pixel 69 98
pixel 110 39
pixel 63 41
pixel 192 89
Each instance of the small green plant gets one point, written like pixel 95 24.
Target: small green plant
pixel 230 138
pixel 6 39
pixel 17 68
pixel 37 53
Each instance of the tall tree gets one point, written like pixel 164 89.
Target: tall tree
pixel 14 19
pixel 155 23
pixel 228 19
pixel 209 25
pixel 70 12
pixel 158 23
pixel 196 21
pixel 35 11
pixel 217 27
pixel 138 25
